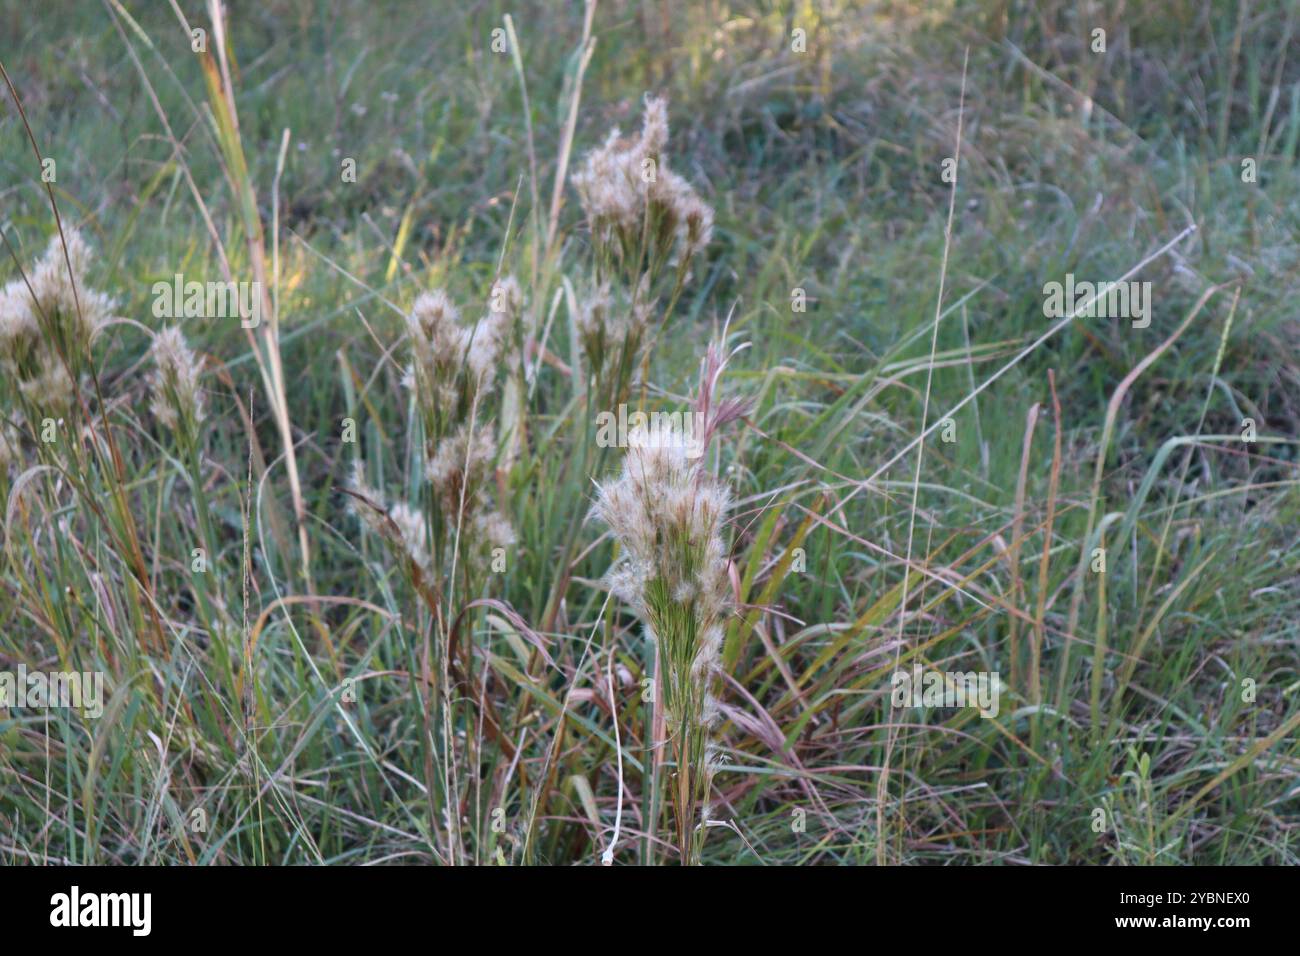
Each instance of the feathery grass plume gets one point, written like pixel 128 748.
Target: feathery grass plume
pixel 48 322
pixel 450 362
pixel 19 325
pixel 697 226
pixel 667 510
pixel 177 402
pixel 437 348
pixel 402 527
pixel 459 466
pixel 49 385
pixel 494 529
pixel 667 513
pixel 82 311
pixel 642 215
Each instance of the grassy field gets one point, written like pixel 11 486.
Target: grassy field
pixel 365 584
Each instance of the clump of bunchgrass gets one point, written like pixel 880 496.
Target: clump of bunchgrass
pixel 443 543
pixel 453 372
pixel 667 510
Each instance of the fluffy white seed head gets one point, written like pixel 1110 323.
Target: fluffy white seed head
pixel 79 306
pixel 654 126
pixel 667 513
pixel 174 382
pixel 50 319
pixel 495 529
pixel 17 316
pixel 403 527
pixel 628 192
pixel 55 290
pixel 412 532
pixel 448 359
pixel 458 467
pixel 50 387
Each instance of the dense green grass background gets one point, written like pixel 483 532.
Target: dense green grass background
pixel 824 168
